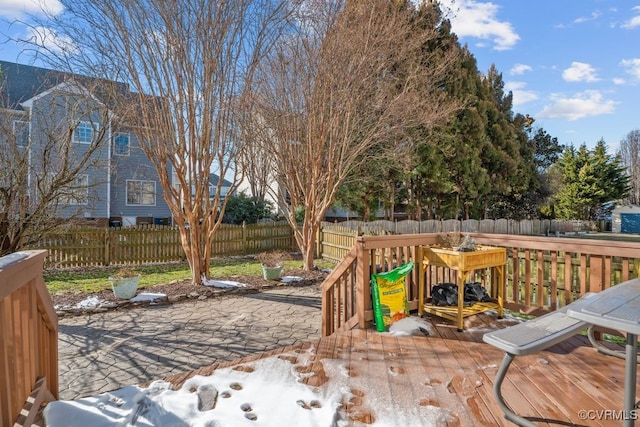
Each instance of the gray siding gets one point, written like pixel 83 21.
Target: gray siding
pixel 51 121
pixel 137 167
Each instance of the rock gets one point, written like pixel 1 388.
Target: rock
pixel 207 397
pixel 176 298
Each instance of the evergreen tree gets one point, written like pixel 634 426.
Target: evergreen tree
pixel 629 154
pixel 590 178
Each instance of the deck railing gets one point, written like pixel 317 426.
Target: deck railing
pixel 543 273
pixel 28 339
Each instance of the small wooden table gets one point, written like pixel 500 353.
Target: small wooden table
pixel 464 263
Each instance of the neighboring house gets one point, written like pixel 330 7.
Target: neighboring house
pixel 213 186
pixel 120 186
pixel 626 219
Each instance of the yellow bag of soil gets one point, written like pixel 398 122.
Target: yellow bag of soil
pixel 389 295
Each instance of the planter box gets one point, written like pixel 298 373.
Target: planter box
pixel 464 263
pixel 482 257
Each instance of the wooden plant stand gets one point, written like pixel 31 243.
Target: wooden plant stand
pixel 464 263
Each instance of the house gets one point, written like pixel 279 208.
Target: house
pixel 59 112
pixel 213 186
pixel 626 219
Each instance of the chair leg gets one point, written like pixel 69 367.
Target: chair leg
pixel 508 413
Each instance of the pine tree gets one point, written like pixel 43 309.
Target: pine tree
pixel 590 178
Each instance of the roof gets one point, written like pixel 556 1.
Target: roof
pixel 20 83
pixel 213 180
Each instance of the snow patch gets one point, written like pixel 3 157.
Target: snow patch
pixel 223 283
pixel 90 302
pixel 411 326
pixel 147 296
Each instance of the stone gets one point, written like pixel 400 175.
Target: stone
pixel 207 397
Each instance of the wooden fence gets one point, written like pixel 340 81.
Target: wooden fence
pixel 336 239
pixel 84 247
pixel 28 339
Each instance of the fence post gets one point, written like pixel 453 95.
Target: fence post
pixel 244 237
pixel 107 246
pixel 319 238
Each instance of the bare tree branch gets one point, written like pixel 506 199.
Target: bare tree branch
pixel 352 76
pixel 190 62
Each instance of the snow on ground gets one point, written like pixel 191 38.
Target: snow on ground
pixel 90 302
pixel 223 283
pixel 267 392
pixel 147 296
pixel 411 326
pixel 291 279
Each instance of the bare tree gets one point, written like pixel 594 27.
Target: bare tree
pixel 630 158
pixel 353 75
pixel 44 173
pixel 190 62
pixel 255 165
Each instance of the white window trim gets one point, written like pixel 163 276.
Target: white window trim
pixel 126 192
pixel 115 151
pixel 95 127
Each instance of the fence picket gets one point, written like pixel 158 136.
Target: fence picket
pixel 90 247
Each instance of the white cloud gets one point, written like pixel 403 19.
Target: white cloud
pixel 48 39
pixel 19 9
pixel 520 95
pixel 618 81
pixel 518 69
pixel 581 20
pixel 584 104
pixel 580 72
pixel 471 18
pixel 634 21
pixel 632 67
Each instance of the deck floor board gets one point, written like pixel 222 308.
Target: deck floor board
pixel 451 374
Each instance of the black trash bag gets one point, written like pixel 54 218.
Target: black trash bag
pixel 475 292
pixel 444 294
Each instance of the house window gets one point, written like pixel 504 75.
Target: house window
pixel 141 193
pixel 21 132
pixel 121 144
pixel 77 193
pixel 83 133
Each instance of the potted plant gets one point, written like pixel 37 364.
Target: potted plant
pixel 457 241
pixel 272 264
pixel 124 282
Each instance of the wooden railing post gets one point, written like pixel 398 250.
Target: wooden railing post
pixel 362 282
pixel 28 339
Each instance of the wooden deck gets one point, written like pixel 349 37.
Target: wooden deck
pixel 446 378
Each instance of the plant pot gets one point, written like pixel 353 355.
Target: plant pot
pixel 124 287
pixel 271 273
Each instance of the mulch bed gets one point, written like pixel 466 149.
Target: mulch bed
pixel 182 290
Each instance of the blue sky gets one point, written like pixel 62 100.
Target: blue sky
pixel 574 65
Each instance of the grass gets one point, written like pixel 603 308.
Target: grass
pixel 97 279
